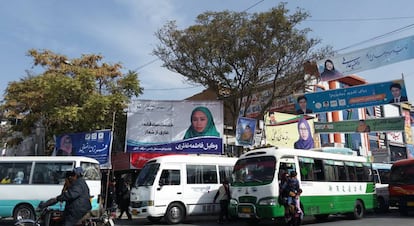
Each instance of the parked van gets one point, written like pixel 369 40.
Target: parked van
pixel 382 177
pixel 176 186
pixel 401 185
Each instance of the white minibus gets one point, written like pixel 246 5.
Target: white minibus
pixel 382 178
pixel 27 180
pixel 176 186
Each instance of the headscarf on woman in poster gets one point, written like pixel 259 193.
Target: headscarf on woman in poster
pixel 329 72
pixel 202 124
pixel 305 140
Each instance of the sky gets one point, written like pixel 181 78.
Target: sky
pixel 122 31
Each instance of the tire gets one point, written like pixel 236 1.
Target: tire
pixel 358 212
pixel 382 206
pixel 25 211
pixel 154 219
pixel 175 213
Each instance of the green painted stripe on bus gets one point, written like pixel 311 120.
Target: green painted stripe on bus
pixel 316 205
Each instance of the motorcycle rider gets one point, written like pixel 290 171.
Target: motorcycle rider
pixel 76 197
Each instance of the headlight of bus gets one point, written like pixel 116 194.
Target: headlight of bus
pixel 269 202
pixel 149 203
pixel 233 202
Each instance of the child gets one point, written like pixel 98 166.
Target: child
pixel 297 203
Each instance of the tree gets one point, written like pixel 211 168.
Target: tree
pixel 71 95
pixel 237 55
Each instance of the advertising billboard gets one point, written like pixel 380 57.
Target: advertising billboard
pixel 175 127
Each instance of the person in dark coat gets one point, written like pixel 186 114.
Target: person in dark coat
pixel 224 196
pixel 76 197
pixel 124 199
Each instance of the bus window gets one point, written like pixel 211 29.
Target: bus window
pixel 350 168
pixel 201 174
pixel 306 169
pixel 225 173
pixel 50 172
pixel 170 177
pixel 318 171
pixel 19 172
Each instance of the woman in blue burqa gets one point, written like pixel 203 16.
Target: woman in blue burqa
pixel 305 137
pixel 202 124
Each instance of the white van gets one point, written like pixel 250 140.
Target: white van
pixel 176 186
pixel 382 176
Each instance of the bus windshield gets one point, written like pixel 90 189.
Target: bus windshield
pixel 147 175
pixel 403 174
pixel 254 171
pixel 91 171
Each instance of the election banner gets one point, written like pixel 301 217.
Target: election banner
pixel 245 130
pixel 372 57
pixel 361 126
pixel 175 127
pixel 286 132
pixel 280 104
pixel 353 97
pixel 96 144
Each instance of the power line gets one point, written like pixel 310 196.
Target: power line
pixel 360 19
pixel 146 64
pixel 377 37
pixel 252 6
pixel 165 89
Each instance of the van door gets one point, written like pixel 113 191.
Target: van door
pixel 169 186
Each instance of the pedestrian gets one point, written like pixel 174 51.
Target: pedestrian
pixel 111 196
pixel 223 195
pixel 124 199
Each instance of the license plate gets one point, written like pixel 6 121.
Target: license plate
pixel 410 203
pixel 244 215
pixel 245 210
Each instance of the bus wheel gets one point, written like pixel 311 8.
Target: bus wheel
pixel 175 213
pixel 358 212
pixel 382 207
pixel 154 219
pixel 25 211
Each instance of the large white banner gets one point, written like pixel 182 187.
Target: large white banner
pixel 175 126
pixel 368 58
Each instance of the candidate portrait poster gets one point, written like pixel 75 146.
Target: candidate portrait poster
pixel 245 130
pixel 175 127
pixel 96 145
pixel 285 130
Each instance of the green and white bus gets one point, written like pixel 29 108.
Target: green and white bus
pixel 332 180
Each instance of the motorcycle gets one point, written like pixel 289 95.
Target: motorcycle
pixel 47 216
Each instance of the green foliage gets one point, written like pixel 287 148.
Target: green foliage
pixel 237 54
pixel 70 96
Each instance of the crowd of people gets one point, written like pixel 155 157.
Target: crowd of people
pixel 289 195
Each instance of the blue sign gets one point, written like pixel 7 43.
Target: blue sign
pixel 89 144
pixel 352 97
